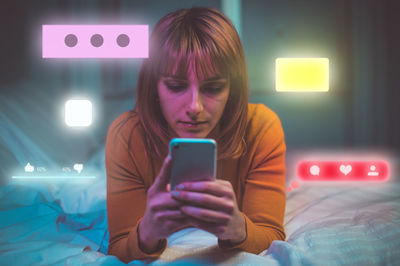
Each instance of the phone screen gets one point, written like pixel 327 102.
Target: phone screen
pixel 193 160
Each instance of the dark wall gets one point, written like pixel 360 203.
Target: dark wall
pixel 393 70
pixel 313 28
pixel 14 37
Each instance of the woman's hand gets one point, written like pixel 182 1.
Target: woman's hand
pixel 213 208
pixel 163 215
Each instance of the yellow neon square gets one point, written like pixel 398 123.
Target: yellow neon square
pixel 302 74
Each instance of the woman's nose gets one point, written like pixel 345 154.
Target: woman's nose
pixel 196 104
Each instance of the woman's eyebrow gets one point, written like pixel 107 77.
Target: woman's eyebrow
pixel 179 78
pixel 217 78
pixel 173 77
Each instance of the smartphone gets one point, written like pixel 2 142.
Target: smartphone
pixel 193 159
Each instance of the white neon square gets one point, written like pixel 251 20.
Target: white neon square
pixel 78 113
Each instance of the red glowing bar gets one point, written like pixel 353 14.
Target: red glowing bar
pixel 95 41
pixel 343 171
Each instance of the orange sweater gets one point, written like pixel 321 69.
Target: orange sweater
pixel 258 178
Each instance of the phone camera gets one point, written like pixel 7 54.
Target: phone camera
pixel 176 146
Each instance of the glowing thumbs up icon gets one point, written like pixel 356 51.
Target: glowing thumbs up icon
pixel 29 168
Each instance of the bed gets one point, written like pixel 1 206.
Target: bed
pixel 63 222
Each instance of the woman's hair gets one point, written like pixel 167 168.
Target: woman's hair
pixel 206 39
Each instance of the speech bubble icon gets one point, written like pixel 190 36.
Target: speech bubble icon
pixel 314 170
pixel 78 167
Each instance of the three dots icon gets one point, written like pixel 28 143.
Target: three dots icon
pixel 96 40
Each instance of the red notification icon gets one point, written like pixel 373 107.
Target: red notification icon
pixel 343 171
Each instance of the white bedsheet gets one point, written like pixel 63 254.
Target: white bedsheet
pixel 65 224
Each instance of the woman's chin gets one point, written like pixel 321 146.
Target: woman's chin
pixel 192 136
pixel 187 134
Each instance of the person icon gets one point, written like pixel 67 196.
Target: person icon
pixel 372 172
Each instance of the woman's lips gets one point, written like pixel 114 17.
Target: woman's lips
pixel 192 124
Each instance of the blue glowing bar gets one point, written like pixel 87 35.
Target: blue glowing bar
pixel 52 177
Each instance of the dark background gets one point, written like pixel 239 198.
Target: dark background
pixel 361 38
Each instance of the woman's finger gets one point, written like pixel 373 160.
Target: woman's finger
pixel 170 215
pixel 205 200
pixel 220 189
pixel 162 180
pixel 164 201
pixel 206 215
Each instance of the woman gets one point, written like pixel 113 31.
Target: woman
pixel 194 84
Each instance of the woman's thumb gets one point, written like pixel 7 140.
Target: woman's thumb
pixel 164 175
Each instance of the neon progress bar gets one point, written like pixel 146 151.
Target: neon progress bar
pixel 53 177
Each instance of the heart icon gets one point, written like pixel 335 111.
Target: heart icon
pixel 345 169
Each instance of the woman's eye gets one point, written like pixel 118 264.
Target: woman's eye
pixel 213 90
pixel 175 88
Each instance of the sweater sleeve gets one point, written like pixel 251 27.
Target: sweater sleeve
pixel 126 196
pixel 264 198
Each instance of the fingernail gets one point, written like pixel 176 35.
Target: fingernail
pixel 174 193
pixel 180 186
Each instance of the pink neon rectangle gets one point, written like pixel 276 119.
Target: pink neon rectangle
pixel 343 171
pixel 95 41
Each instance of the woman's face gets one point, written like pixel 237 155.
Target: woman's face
pixel 192 107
